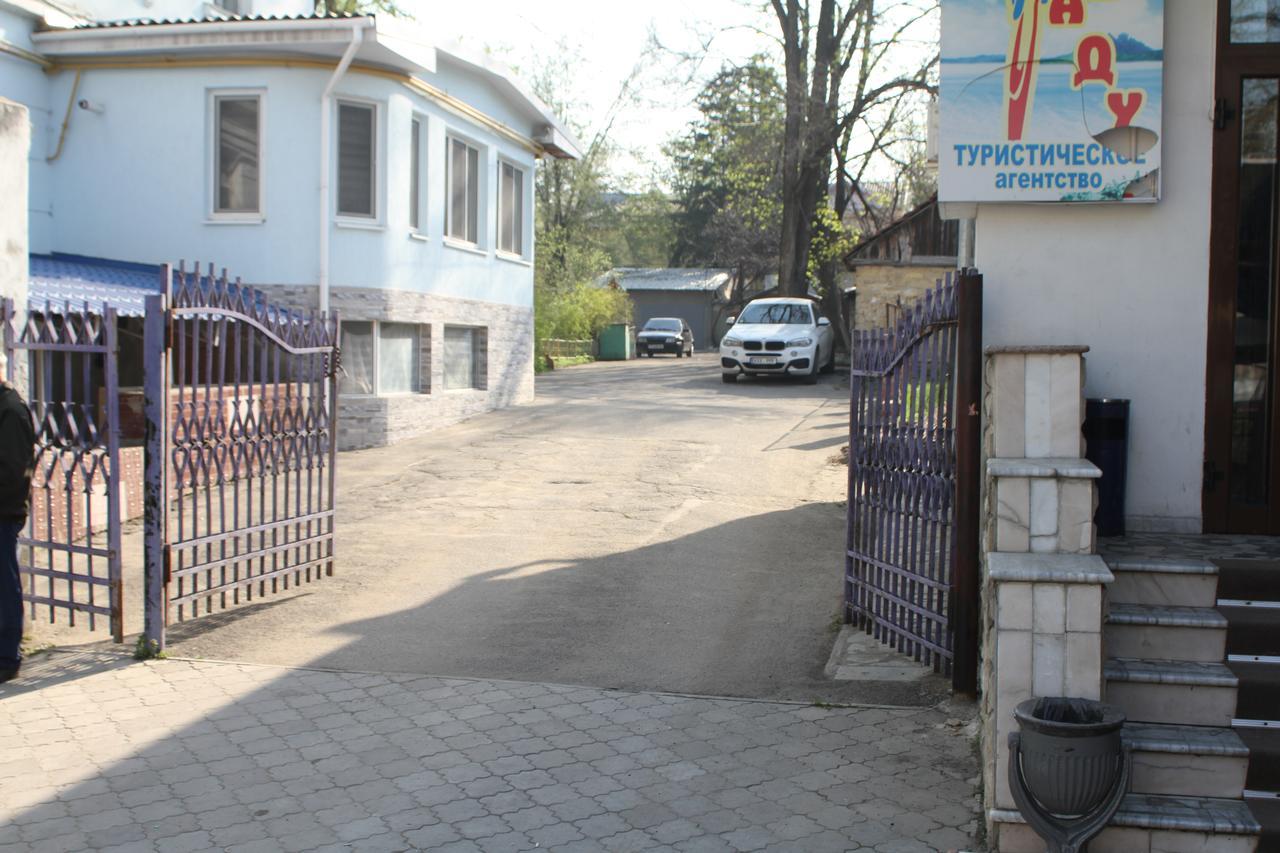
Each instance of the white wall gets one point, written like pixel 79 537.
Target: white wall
pixel 133 183
pixel 1132 283
pixel 25 82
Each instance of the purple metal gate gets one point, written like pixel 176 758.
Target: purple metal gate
pixel 241 410
pixel 910 565
pixel 69 553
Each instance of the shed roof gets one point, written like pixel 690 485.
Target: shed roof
pixel 59 280
pixel 666 278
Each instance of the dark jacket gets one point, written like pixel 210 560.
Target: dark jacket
pixel 17 456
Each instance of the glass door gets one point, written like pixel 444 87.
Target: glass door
pixel 1242 453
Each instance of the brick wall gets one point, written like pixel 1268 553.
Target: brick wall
pixel 883 285
pixel 505 361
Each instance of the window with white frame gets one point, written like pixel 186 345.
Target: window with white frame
pixel 462 201
pixel 237 154
pixel 416 138
pixel 380 358
pixel 465 357
pixel 510 209
pixel 357 160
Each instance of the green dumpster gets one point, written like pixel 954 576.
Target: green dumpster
pixel 618 342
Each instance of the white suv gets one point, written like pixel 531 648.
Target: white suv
pixel 778 336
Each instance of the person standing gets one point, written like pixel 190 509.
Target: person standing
pixel 17 463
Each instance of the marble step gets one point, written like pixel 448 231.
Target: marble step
pixel 1164 632
pixel 1263 741
pixel 1259 688
pixel 1252 630
pixel 1188 761
pixel 1191 693
pixel 1180 582
pixel 1146 823
pixel 1249 580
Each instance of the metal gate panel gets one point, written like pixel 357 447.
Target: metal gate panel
pixel 901 550
pixel 244 408
pixel 69 552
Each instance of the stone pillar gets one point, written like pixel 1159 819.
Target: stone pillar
pixel 1042 581
pixel 15 144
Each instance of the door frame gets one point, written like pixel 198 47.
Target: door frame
pixel 1233 62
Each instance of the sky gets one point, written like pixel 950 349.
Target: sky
pixel 606 41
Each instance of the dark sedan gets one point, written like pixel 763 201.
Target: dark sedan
pixel 665 334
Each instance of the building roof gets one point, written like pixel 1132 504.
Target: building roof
pixel 386 42
pixel 58 282
pixel 666 278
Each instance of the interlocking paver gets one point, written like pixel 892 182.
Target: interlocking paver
pixel 188 756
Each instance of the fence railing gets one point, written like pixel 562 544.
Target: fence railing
pixel 561 348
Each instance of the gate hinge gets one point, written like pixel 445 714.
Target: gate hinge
pixel 1212 476
pixel 1222 113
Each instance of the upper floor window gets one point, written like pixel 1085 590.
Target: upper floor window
pixel 415 173
pixel 462 206
pixel 357 161
pixel 237 154
pixel 510 209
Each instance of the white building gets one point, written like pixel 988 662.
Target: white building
pixel 347 162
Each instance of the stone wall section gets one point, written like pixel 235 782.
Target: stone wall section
pixel 881 286
pixel 504 364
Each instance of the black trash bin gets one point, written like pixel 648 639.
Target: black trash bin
pixel 1106 436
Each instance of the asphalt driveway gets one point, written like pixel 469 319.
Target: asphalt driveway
pixel 641 526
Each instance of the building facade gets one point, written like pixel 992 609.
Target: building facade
pixel 344 163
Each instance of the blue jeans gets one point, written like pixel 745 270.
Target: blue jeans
pixel 10 597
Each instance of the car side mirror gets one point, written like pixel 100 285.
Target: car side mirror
pixel 732 320
pixel 823 321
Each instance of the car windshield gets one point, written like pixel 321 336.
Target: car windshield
pixel 662 325
pixel 777 312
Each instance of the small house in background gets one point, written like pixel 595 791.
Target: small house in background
pixel 694 295
pixel 895 266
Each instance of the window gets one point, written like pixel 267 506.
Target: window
pixel 462 211
pixel 237 154
pixel 415 174
pixel 397 358
pixel 510 209
pixel 785 313
pixel 357 359
pixel 385 358
pixel 465 357
pixel 357 137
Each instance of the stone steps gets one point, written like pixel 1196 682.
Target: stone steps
pixel 1147 823
pixel 1191 693
pixel 1165 632
pixel 1194 761
pixel 1178 582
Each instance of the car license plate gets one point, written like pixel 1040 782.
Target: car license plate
pixel 764 359
pixel 655 346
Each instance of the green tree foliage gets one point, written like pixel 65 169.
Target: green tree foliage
pixel 727 172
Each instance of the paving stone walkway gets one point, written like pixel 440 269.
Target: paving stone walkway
pixel 105 753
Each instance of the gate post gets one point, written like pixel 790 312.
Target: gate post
pixel 111 375
pixel 968 498
pixel 155 502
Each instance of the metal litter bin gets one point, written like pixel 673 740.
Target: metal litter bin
pixel 617 342
pixel 1106 436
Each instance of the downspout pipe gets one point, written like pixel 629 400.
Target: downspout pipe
pixel 326 155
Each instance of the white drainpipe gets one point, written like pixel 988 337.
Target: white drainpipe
pixel 326 155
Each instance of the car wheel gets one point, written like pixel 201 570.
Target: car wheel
pixel 680 353
pixel 830 366
pixel 728 378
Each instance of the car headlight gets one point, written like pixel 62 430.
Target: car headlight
pixel 731 342
pixel 800 342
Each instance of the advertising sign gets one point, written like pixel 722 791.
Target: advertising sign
pixel 1050 100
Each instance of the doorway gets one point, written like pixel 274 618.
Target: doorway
pixel 1242 441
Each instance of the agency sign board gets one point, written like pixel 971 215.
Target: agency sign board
pixel 1050 100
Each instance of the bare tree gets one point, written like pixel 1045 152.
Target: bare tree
pixel 840 69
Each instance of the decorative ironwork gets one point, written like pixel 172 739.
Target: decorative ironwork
pixel 69 553
pixel 242 406
pixel 901 548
